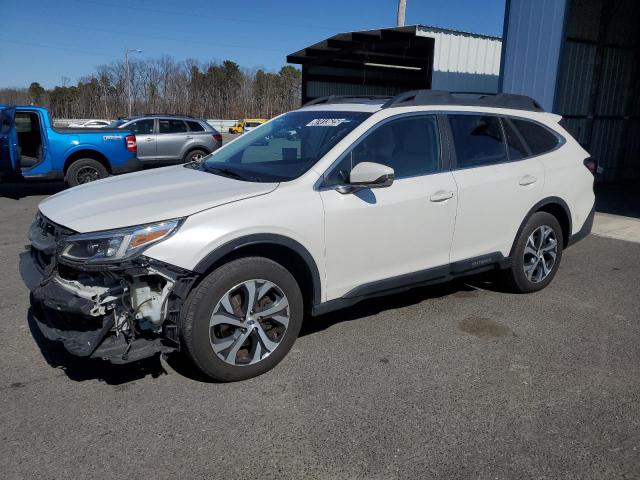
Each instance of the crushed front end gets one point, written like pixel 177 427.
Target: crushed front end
pixel 120 306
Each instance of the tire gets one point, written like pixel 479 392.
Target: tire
pixel 194 155
pixel 239 354
pixel 85 170
pixel 527 272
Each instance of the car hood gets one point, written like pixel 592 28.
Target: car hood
pixel 145 197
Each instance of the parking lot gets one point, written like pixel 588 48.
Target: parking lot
pixel 454 381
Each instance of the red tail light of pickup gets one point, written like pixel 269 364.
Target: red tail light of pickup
pixel 132 145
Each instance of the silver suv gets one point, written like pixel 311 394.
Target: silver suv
pixel 171 138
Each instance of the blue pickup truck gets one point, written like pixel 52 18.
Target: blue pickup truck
pixel 31 148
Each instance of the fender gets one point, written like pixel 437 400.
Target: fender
pixel 265 238
pixel 534 209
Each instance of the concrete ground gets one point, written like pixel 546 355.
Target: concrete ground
pixel 454 381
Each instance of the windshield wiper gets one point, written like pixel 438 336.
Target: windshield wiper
pixel 226 172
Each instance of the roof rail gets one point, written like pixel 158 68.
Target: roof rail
pixel 441 97
pixel 161 115
pixel 345 99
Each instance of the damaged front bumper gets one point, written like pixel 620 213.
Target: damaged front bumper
pixel 120 312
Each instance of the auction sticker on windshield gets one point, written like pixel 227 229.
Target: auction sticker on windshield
pixel 326 122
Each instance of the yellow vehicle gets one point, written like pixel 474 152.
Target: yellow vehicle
pixel 246 125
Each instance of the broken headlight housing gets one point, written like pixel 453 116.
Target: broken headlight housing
pixel 116 245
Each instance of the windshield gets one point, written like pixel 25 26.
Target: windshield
pixel 284 148
pixel 116 123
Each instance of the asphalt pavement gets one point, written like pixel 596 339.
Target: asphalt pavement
pixel 453 381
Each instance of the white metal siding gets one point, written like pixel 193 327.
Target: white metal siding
pixel 464 62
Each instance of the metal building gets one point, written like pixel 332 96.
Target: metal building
pixel 393 60
pixel 581 59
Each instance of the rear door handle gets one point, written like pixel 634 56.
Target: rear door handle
pixel 149 139
pixel 189 136
pixel 441 196
pixel 527 180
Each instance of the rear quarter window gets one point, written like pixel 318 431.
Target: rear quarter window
pixel 195 127
pixel 538 138
pixel 478 140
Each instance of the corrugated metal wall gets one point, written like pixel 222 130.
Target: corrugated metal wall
pixel 462 62
pixel 533 36
pixel 597 87
pixel 581 59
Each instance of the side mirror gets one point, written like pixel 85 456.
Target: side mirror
pixel 368 175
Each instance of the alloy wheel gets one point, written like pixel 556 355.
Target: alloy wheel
pixel 87 174
pixel 249 322
pixel 540 253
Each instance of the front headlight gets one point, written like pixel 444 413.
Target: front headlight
pixel 116 245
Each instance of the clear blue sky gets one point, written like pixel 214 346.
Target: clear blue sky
pixel 45 40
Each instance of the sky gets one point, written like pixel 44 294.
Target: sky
pixel 46 40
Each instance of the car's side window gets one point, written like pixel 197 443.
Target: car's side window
pixel 195 126
pixel 141 127
pixel 478 140
pixel 517 149
pixel 409 145
pixel 172 126
pixel 539 139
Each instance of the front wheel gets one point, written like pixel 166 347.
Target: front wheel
pixel 85 170
pixel 242 319
pixel 537 254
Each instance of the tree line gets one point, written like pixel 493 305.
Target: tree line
pixel 164 85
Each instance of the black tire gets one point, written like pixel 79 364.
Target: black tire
pixel 194 154
pixel 85 170
pixel 515 278
pixel 204 298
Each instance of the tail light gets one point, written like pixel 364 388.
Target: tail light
pixel 591 165
pixel 217 137
pixel 132 146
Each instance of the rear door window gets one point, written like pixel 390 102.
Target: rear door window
pixel 539 139
pixel 141 127
pixel 195 126
pixel 478 140
pixel 172 126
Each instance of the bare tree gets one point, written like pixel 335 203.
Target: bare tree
pixel 163 85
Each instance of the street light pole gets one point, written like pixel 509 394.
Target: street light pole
pixel 402 7
pixel 127 74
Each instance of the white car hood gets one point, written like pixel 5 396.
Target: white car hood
pixel 145 197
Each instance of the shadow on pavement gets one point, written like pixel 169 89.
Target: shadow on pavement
pixel 80 369
pixel 463 288
pixel 20 190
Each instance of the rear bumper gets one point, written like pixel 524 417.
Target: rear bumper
pixel 132 165
pixel 585 230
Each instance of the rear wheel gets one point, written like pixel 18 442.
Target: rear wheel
pixel 242 319
pixel 537 255
pixel 195 156
pixel 85 170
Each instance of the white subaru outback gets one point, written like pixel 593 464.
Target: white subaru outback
pixel 318 209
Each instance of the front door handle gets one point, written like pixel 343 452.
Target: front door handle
pixel 189 136
pixel 149 139
pixel 441 196
pixel 527 180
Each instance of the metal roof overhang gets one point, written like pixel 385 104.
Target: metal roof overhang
pixel 399 47
pixel 392 59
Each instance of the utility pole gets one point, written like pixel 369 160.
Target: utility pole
pixel 127 74
pixel 402 8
